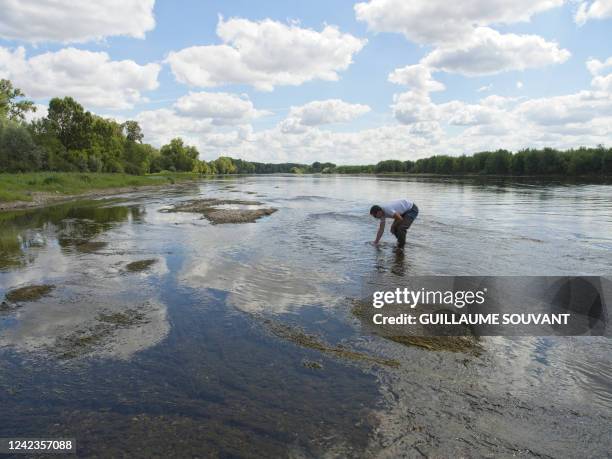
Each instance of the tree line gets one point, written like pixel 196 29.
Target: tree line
pixel 546 161
pixel 71 139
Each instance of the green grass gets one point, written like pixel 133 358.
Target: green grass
pixel 19 187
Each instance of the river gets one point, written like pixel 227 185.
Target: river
pixel 239 339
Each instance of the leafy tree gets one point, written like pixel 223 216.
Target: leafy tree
pixel 71 124
pixel 132 131
pixel 107 144
pixel 498 163
pixel 10 107
pixel 18 151
pixel 606 162
pixel 243 167
pixel 70 138
pixel 224 165
pixel 176 156
pixel 390 165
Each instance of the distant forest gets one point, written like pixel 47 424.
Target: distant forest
pixel 71 139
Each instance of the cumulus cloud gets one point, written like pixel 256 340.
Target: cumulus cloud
pixel 602 74
pixel 369 145
pixel 486 52
pixel 92 78
pixel 414 107
pixel 458 113
pixel 162 125
pixel 581 107
pixel 70 21
pixel 603 83
pixel 596 67
pixel 463 41
pixel 597 9
pixel 265 54
pixel 220 107
pixel 424 127
pixel 219 118
pixel 493 122
pixel 440 21
pixel 417 77
pixel 319 112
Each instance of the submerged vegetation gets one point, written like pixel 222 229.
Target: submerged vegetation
pixel 29 293
pixel 303 339
pixel 140 265
pixel 88 339
pixel 467 343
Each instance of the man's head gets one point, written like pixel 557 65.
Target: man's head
pixel 376 211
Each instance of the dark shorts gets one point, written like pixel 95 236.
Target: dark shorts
pixel 399 228
pixel 412 213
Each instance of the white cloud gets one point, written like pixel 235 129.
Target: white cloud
pixel 458 113
pixel 417 77
pixel 581 107
pixel 319 112
pixel 201 117
pixel 519 85
pixel 414 107
pixel 221 108
pixel 486 52
pixel 438 21
pixel 90 77
pixel 564 121
pixel 41 112
pixel 485 88
pixel 265 54
pixel 74 21
pixel 424 127
pixel 597 9
pixel 603 83
pixel 213 119
pixel 159 126
pixel 369 145
pixel 463 42
pixel 596 67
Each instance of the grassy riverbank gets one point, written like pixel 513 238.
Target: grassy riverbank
pixel 26 186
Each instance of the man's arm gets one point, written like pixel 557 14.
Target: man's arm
pixel 381 230
pixel 397 219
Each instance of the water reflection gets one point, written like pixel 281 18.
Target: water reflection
pixel 67 324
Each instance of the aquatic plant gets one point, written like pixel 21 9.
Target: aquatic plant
pixel 29 293
pixel 140 265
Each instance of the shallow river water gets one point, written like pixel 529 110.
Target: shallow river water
pixel 239 339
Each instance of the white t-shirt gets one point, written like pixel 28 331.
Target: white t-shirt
pixel 400 206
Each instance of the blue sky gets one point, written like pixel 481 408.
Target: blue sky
pixel 306 81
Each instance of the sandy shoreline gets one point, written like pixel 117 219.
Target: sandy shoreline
pixel 43 199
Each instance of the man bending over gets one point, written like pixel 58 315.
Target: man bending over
pixel 403 213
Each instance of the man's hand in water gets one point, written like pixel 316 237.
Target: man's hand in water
pixel 381 230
